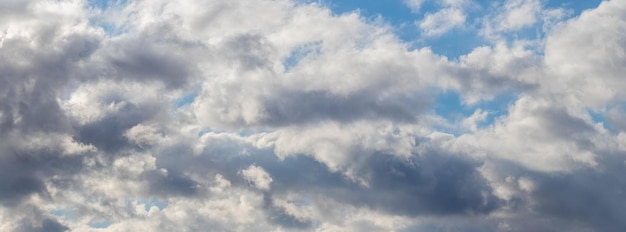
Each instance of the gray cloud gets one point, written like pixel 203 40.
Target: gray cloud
pixel 47 225
pixel 584 200
pixel 33 73
pixel 589 197
pixel 107 133
pixel 298 108
pixel 18 180
pixel 148 61
pixel 425 184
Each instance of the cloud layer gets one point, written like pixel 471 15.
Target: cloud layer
pixel 283 115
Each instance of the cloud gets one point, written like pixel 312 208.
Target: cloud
pixel 287 116
pixel 592 62
pixel 523 21
pixel 519 14
pixel 560 140
pixel 257 176
pixel 442 21
pixel 414 5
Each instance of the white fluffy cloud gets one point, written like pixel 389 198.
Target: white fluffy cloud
pixel 589 57
pixel 257 176
pixel 442 21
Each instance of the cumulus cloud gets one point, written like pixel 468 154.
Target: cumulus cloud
pixel 257 176
pixel 442 21
pixel 287 116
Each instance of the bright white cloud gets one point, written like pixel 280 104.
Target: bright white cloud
pixel 442 21
pixel 518 14
pixel 257 176
pixel 588 55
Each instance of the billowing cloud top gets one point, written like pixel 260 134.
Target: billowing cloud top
pixel 295 115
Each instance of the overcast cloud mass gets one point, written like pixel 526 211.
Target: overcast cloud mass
pixel 302 115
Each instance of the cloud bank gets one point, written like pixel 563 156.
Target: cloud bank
pixel 284 115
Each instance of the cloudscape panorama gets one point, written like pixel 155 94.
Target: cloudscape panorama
pixel 312 115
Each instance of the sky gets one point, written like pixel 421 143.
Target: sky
pixel 312 115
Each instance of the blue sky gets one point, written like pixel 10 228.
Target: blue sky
pixel 452 44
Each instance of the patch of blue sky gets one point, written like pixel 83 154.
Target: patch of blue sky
pixel 105 4
pixel 300 52
pixel 393 11
pixel 109 28
pixel 249 132
pixel 65 214
pixel 100 224
pixel 149 203
pixel 533 34
pixel 204 132
pixel 497 107
pixel 459 40
pixel 186 99
pixel 242 133
pixel 449 105
pixel 456 42
pixel 607 116
pixel 576 6
pixel 597 116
